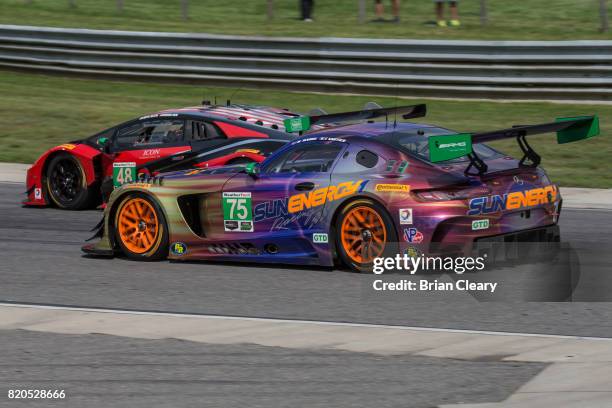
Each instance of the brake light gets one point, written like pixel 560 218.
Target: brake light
pixel 452 194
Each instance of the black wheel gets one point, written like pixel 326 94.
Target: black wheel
pixel 66 185
pixel 140 228
pixel 364 231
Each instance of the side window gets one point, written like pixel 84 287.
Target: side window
pixel 358 160
pixel 150 133
pixel 309 158
pixel 204 131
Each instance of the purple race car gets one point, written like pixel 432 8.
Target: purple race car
pixel 348 194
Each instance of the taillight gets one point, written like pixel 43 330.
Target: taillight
pixel 451 194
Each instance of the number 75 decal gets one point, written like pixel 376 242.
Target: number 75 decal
pixel 237 212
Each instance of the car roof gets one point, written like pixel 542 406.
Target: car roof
pixel 265 116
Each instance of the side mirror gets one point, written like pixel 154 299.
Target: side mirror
pixel 103 142
pixel 252 169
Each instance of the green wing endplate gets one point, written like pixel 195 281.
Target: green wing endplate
pixel 448 147
pixel 584 127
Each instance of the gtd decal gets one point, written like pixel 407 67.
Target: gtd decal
pixel 319 196
pixel 413 235
pixel 513 201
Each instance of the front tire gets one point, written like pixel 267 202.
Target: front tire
pixel 364 231
pixel 66 184
pixel 140 228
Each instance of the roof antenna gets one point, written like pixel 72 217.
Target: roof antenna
pixel 395 114
pixel 232 95
pixel 205 102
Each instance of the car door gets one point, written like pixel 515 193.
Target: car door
pixel 287 198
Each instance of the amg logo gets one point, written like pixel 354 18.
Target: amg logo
pixel 450 145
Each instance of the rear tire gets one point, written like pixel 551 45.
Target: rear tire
pixel 364 231
pixel 66 184
pixel 140 228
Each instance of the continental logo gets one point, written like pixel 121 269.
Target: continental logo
pixel 320 196
pixel 393 188
pixel 513 201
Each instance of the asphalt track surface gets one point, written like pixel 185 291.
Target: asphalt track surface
pixel 108 371
pixel 42 263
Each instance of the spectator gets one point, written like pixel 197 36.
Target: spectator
pixel 380 11
pixel 454 9
pixel 307 6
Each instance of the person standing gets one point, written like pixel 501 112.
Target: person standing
pixel 379 8
pixel 307 6
pixel 454 10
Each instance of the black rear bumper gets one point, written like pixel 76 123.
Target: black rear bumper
pixel 522 246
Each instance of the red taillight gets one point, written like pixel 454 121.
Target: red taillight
pixel 451 194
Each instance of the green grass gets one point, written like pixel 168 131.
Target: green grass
pixel 521 20
pixel 38 112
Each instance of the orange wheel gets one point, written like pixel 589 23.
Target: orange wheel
pixel 139 227
pixel 363 234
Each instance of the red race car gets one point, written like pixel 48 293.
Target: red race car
pixel 82 173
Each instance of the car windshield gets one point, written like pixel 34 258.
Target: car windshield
pixel 415 142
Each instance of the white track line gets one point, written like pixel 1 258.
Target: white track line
pixel 311 322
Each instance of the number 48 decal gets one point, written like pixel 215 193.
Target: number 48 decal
pixel 123 173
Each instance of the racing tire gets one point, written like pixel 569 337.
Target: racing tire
pixel 140 228
pixel 364 231
pixel 66 184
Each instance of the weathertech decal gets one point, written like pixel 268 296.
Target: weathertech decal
pixel 237 213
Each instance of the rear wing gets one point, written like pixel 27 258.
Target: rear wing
pixel 303 123
pixel 448 147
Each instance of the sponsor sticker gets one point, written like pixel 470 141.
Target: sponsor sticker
pixel 38 193
pixel 319 196
pixel 230 225
pixel 405 216
pixel 513 201
pixel 320 238
pixel 237 212
pixel 413 235
pixel 393 188
pixel 68 146
pixel 123 173
pixel 480 225
pixel 411 252
pixel 178 248
pixel 297 124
